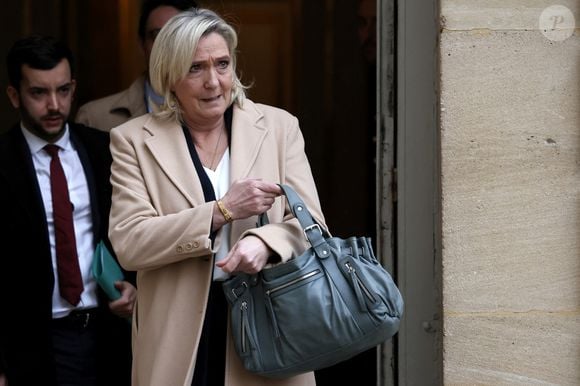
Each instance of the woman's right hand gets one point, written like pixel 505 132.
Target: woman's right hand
pixel 250 196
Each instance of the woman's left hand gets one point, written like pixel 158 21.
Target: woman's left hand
pixel 248 255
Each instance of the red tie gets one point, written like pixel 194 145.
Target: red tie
pixel 69 274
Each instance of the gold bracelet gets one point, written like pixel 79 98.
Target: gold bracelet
pixel 225 212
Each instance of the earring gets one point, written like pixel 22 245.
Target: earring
pixel 172 104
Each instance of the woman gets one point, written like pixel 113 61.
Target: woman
pixel 188 185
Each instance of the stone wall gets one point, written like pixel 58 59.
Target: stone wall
pixel 510 158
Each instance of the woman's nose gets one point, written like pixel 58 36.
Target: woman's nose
pixel 211 78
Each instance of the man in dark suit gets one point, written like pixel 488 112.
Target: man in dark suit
pixel 46 339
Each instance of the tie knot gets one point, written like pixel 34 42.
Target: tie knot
pixel 52 150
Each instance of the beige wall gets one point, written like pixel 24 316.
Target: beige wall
pixel 510 143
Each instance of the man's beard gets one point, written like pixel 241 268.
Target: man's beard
pixel 36 127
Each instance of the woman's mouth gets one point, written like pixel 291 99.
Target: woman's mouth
pixel 212 99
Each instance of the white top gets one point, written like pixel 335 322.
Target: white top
pixel 80 198
pixel 220 180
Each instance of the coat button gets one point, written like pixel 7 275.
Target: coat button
pixel 196 244
pixel 188 246
pixel 179 249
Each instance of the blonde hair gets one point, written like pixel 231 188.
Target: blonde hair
pixel 173 50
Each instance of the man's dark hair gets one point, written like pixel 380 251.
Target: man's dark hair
pixel 149 5
pixel 37 51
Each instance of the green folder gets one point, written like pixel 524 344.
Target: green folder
pixel 106 271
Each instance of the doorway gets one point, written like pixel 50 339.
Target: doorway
pixel 305 56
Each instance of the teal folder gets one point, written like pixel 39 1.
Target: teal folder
pixel 106 271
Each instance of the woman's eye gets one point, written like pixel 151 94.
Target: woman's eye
pixel 223 64
pixel 194 68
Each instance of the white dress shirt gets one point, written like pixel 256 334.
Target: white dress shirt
pixel 83 224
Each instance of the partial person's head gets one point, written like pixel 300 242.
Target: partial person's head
pixel 41 84
pixel 193 66
pixel 367 28
pixel 154 15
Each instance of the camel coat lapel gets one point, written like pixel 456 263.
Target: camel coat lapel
pixel 169 148
pixel 246 143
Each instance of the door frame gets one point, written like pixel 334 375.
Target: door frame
pixel 412 184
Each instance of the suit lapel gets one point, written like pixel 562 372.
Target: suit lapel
pixel 169 148
pixel 18 169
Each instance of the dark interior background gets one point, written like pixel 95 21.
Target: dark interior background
pixel 301 55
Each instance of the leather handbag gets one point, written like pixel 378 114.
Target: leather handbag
pixel 323 307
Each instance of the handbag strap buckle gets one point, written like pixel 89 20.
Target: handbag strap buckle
pixel 317 240
pixel 312 227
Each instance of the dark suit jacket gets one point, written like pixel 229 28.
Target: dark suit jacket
pixel 26 274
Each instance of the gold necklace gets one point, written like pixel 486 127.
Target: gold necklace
pixel 216 149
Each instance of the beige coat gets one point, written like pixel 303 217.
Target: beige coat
pixel 114 110
pixel 160 224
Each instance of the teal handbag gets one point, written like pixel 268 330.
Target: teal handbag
pixel 327 305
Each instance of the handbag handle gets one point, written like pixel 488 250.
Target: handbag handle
pixel 315 234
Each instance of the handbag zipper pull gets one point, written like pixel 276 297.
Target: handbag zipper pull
pixel 244 334
pixel 359 288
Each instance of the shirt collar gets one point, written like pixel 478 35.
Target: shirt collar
pixel 36 143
